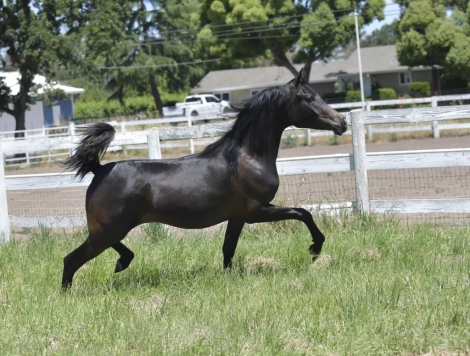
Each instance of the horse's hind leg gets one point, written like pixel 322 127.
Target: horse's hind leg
pixel 126 257
pixel 88 250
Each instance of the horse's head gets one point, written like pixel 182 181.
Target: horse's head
pixel 307 110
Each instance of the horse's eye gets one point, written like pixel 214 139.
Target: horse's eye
pixel 308 99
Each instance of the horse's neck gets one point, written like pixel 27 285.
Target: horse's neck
pixel 266 145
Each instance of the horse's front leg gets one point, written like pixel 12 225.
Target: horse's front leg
pixel 234 229
pixel 270 213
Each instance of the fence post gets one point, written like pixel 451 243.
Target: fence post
pixel 153 143
pixel 71 129
pixel 369 127
pixel 435 124
pixel 123 129
pixel 4 219
pixel 191 142
pixel 360 167
pixel 309 137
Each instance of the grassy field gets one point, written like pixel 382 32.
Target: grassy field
pixel 380 288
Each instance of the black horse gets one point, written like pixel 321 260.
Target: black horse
pixel 233 179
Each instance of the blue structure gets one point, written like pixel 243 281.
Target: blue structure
pixel 64 109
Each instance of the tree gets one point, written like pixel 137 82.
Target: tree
pixel 238 29
pixel 381 37
pixel 427 36
pixel 139 46
pixel 31 34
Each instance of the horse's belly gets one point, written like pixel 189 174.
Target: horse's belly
pixel 187 218
pixel 190 212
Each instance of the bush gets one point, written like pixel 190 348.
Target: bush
pixel 133 105
pixel 419 89
pixel 385 94
pixel 140 104
pixel 353 96
pixel 89 109
pixel 334 97
pixel 451 82
pixel 94 94
pixel 99 108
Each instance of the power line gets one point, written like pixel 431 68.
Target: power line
pixel 161 65
pixel 349 10
pixel 253 29
pixel 261 20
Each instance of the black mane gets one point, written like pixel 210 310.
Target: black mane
pixel 253 119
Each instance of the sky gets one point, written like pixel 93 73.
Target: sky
pixel 391 11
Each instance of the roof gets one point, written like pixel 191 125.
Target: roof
pixel 11 79
pixel 381 59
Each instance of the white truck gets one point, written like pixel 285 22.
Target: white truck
pixel 199 107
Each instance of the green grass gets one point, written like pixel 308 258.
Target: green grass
pixel 379 288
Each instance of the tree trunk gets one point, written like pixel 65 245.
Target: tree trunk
pixel 281 59
pixel 20 118
pixel 20 126
pixel 156 95
pixel 436 85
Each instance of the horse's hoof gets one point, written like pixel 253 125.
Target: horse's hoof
pixel 314 258
pixel 66 286
pixel 119 267
pixel 314 250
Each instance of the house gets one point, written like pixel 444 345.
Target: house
pixel 380 66
pixel 39 115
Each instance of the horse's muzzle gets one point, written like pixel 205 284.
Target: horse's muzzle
pixel 342 127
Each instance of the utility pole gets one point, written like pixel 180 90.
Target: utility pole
pixel 359 58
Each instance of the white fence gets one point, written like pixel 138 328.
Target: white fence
pixel 70 130
pixel 359 162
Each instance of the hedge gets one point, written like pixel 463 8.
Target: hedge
pixel 419 89
pixel 385 94
pixel 334 97
pixel 353 96
pixel 141 104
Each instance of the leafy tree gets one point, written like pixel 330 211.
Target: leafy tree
pixel 31 34
pixel 239 29
pixel 427 36
pixel 381 37
pixel 137 46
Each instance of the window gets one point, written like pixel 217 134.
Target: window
pixel 223 96
pixel 405 78
pixel 212 99
pixel 192 99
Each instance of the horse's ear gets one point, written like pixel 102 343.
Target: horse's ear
pixel 304 75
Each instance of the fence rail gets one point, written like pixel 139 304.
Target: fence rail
pixel 70 130
pixel 332 164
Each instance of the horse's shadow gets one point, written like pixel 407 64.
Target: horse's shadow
pixel 184 277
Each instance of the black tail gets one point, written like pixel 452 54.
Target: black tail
pixel 92 146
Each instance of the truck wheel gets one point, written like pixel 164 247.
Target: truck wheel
pixel 194 121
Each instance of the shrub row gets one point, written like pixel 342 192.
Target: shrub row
pixel 141 104
pixel 417 89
